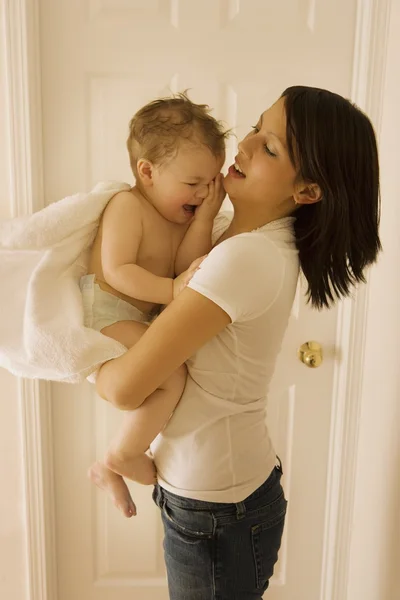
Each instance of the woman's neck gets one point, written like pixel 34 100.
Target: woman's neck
pixel 245 220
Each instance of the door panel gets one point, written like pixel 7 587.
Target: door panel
pixel 101 61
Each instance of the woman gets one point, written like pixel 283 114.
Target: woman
pixel 305 191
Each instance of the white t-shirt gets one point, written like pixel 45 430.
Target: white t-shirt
pixel 216 446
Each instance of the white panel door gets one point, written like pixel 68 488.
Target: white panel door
pixel 102 60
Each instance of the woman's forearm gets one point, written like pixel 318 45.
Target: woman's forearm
pixel 189 322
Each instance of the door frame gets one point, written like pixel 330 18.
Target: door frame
pixel 21 38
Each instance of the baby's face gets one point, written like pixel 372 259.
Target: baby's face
pixel 181 184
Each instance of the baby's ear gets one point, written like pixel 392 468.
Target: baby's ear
pixel 145 171
pixel 307 193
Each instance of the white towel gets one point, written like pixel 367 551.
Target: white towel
pixel 42 258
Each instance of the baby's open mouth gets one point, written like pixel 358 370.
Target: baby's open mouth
pixel 189 208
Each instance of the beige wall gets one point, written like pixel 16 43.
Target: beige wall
pixel 13 577
pixel 375 552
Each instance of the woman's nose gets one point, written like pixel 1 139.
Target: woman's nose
pixel 244 147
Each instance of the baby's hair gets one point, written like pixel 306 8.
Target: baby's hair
pixel 157 129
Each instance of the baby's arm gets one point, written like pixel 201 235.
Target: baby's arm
pixel 121 237
pixel 197 241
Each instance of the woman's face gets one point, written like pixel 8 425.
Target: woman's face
pixel 263 172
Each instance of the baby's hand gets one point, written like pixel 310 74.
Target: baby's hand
pixel 183 279
pixel 209 208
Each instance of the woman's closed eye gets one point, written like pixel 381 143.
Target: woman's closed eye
pixel 268 151
pixel 256 129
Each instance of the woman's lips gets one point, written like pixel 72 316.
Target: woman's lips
pixel 234 173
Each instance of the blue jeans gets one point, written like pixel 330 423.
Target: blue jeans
pixel 216 551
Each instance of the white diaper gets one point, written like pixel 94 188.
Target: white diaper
pixel 102 308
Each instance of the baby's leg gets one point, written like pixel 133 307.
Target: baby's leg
pixel 126 455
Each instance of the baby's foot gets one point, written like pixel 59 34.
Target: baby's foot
pixel 138 468
pixel 115 486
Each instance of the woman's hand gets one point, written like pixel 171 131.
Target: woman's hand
pixel 184 278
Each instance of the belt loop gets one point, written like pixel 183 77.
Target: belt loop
pixel 279 465
pixel 159 496
pixel 240 510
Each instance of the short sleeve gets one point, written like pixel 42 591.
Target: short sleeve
pixel 243 275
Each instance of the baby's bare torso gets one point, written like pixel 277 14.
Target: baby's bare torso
pixel 157 251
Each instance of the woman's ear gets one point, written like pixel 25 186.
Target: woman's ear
pixel 145 171
pixel 307 193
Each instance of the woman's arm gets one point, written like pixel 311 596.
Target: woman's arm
pixel 188 323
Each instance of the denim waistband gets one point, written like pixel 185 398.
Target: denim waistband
pixel 249 503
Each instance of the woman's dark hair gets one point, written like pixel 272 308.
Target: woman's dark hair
pixel 332 143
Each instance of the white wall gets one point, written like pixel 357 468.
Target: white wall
pixel 375 552
pixel 13 573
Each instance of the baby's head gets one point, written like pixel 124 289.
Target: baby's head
pixel 176 148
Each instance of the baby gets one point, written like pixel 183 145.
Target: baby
pixel 145 253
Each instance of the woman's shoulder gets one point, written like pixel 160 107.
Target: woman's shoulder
pixel 243 275
pixel 247 249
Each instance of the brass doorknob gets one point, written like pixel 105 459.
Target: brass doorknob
pixel 310 354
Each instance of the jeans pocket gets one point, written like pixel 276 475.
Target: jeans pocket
pixel 266 540
pixel 190 523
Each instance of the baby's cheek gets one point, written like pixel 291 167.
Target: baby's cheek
pixel 187 198
pixel 201 192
